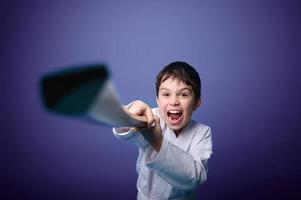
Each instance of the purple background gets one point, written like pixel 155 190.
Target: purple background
pixel 248 55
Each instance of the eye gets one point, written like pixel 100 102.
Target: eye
pixel 164 94
pixel 184 95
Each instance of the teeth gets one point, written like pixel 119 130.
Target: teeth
pixel 174 111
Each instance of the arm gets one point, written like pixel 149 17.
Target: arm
pixel 184 170
pixel 150 133
pixel 153 135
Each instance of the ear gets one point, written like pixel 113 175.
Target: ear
pixel 197 104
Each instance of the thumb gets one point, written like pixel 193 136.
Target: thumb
pixel 156 121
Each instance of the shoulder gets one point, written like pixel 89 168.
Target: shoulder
pixel 202 140
pixel 201 130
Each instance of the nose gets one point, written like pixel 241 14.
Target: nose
pixel 174 100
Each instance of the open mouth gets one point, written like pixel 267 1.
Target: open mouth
pixel 174 116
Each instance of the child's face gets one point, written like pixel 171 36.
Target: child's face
pixel 176 102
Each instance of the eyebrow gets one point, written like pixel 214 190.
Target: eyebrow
pixel 186 88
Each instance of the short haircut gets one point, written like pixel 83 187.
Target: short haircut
pixel 183 72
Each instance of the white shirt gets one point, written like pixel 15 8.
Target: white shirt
pixel 178 168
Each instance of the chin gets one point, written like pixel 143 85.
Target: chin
pixel 175 128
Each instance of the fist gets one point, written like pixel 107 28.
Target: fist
pixel 141 111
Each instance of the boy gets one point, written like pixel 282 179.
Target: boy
pixel 173 149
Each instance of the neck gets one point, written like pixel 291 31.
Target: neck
pixel 177 132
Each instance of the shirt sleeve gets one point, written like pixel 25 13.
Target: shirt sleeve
pixel 184 170
pixel 129 134
pixel 123 133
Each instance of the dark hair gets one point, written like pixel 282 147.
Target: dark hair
pixel 183 72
